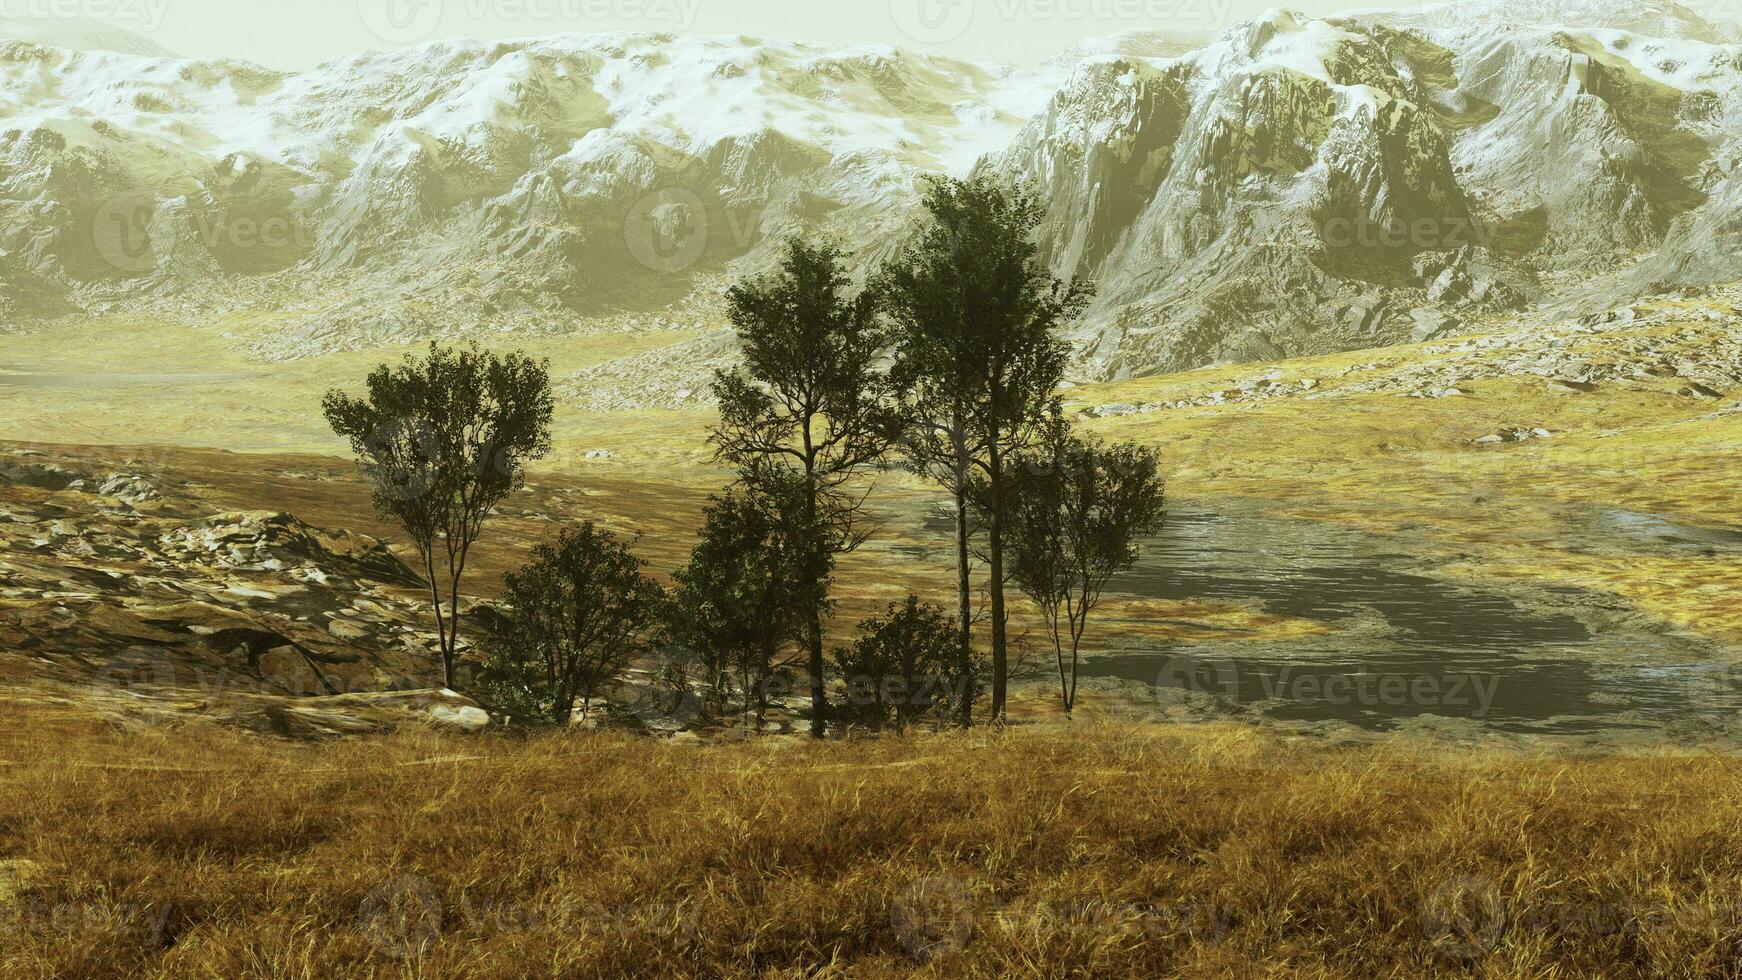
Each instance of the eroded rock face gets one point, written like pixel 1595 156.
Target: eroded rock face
pixel 1300 186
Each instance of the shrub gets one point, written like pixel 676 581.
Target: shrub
pixel 573 619
pixel 903 666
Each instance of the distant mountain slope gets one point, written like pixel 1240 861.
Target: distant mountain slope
pixel 79 35
pixel 1294 185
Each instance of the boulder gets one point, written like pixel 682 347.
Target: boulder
pixel 128 488
pixel 1114 410
pixel 1431 324
pixel 467 717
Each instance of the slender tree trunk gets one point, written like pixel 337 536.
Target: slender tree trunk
pixel 1067 689
pixel 1076 644
pixel 995 554
pixel 453 649
pixel 814 629
pixel 819 695
pixel 435 598
pixel 763 673
pixel 1073 700
pixel 458 568
pixel 964 603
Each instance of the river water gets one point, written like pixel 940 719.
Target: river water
pixel 1404 644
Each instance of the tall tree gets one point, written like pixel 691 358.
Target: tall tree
pixel 751 586
pixel 573 619
pixel 442 440
pixel 933 373
pixel 978 362
pixel 808 397
pixel 1078 510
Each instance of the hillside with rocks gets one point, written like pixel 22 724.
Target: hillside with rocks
pixel 121 589
pixel 150 584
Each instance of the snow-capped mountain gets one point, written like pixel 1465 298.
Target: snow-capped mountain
pixel 1302 185
pixel 1294 184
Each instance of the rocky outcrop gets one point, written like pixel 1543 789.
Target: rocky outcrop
pixel 1666 346
pixel 127 585
pixel 276 542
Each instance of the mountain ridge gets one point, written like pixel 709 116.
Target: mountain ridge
pixel 1294 185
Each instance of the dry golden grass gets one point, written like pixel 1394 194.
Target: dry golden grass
pixel 1091 851
pixel 1098 851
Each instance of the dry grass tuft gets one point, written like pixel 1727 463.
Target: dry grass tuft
pixel 1098 851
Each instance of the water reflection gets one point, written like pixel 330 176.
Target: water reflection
pixel 1405 643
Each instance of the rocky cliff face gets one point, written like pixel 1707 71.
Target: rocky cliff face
pixel 1295 185
pixel 1304 185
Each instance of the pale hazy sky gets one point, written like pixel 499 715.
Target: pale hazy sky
pixel 298 33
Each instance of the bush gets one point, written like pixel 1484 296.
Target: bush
pixel 572 620
pixel 756 577
pixel 902 667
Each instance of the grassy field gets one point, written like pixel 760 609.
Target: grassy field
pixel 1095 851
pixel 1063 850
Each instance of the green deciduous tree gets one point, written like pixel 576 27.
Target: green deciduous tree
pixel 807 398
pixel 443 439
pixel 751 587
pixel 573 620
pixel 1077 511
pixel 978 362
